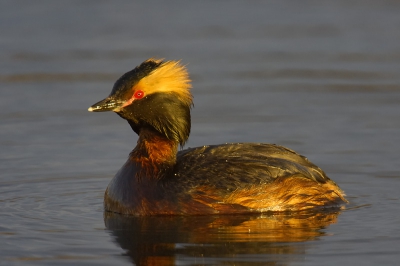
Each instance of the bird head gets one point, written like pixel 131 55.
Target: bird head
pixel 156 95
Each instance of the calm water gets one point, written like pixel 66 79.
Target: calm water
pixel 319 77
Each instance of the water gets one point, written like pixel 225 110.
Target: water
pixel 321 78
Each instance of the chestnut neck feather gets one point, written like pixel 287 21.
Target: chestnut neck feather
pixel 154 153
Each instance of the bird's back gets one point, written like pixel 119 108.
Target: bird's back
pixel 250 177
pixel 242 164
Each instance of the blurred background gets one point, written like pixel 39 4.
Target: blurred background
pixel 320 77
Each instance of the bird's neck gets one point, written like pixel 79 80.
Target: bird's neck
pixel 154 153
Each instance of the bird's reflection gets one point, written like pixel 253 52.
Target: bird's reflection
pixel 209 240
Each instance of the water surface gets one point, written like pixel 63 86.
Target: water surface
pixel 321 78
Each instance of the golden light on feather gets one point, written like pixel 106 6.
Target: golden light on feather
pixel 170 77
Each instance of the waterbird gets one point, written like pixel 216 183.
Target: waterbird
pixel 230 178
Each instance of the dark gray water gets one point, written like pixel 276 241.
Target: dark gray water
pixel 319 77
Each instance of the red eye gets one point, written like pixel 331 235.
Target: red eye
pixel 138 94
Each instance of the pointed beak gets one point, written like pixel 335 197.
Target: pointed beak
pixel 108 104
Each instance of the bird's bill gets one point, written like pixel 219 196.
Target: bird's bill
pixel 108 104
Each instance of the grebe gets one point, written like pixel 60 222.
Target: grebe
pixel 155 99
